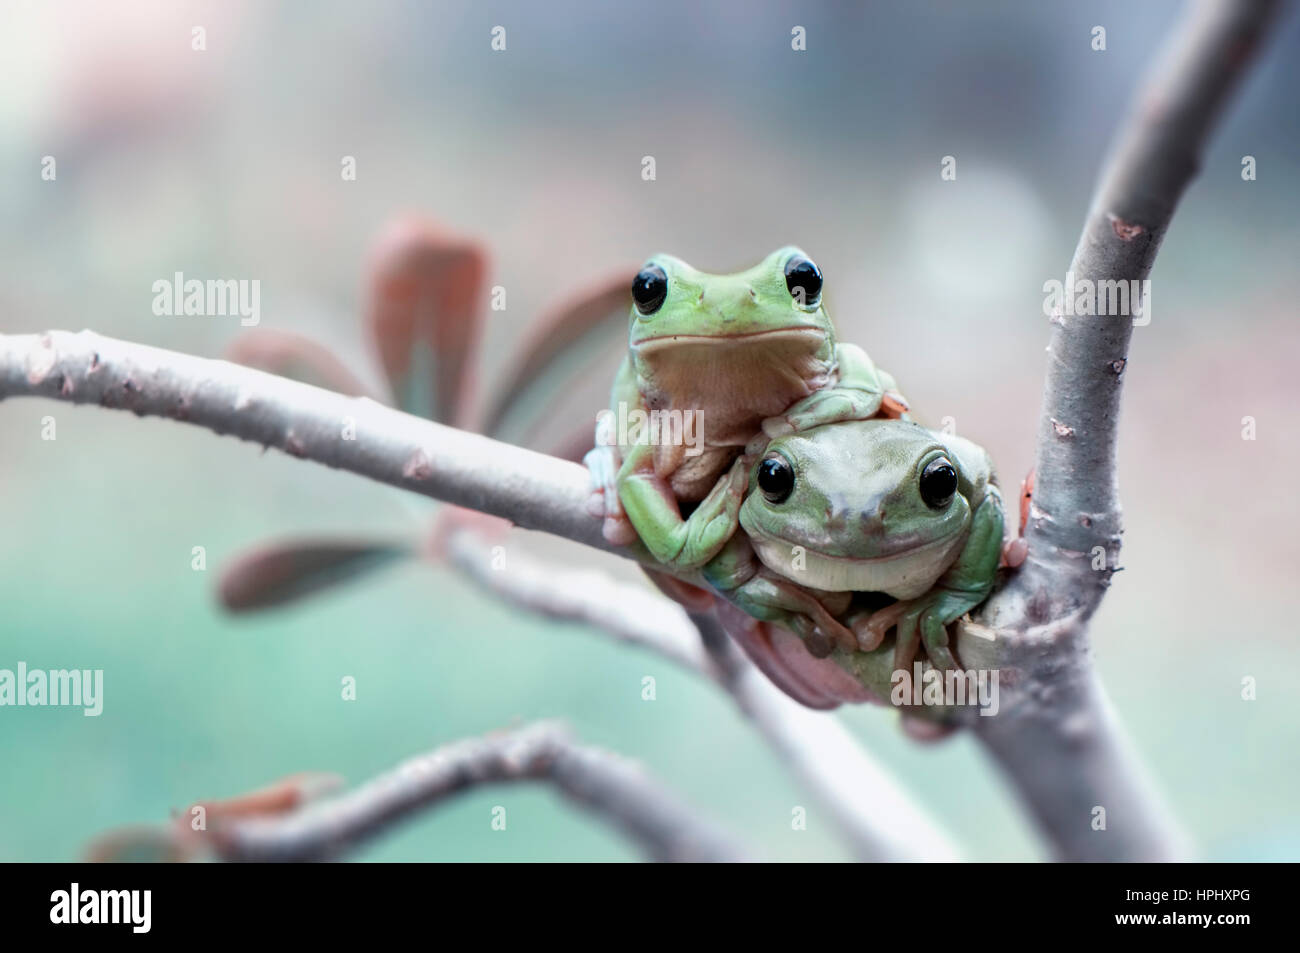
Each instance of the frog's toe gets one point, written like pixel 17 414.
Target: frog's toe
pixel 618 530
pixel 934 633
pixel 774 427
pixel 894 405
pixel 907 640
pixel 602 503
pixel 595 503
pixel 1014 553
pixel 871 628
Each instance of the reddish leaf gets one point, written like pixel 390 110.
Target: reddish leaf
pixel 296 356
pixel 284 572
pixel 549 398
pixel 279 797
pixel 424 310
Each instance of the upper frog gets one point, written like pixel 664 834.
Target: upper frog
pixel 722 359
pixel 878 506
pixel 738 348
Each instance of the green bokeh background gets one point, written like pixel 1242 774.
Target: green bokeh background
pixel 225 163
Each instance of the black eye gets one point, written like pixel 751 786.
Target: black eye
pixel 804 280
pixel 938 482
pixel 649 288
pixel 775 478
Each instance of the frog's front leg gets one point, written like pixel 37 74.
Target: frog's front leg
pixel 743 581
pixel 925 619
pixel 651 506
pixel 862 392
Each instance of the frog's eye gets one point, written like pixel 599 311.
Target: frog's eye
pixel 804 280
pixel 649 288
pixel 938 482
pixel 776 478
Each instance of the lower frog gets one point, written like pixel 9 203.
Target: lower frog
pixel 879 508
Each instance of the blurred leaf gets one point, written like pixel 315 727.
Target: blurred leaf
pixel 283 572
pixel 296 356
pixel 279 797
pixel 425 314
pixel 564 370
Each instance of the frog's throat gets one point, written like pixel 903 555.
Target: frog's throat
pixel 903 575
pixel 735 382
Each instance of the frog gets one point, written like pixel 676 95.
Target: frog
pixel 719 360
pixel 857 527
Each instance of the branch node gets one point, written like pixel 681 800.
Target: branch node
pixel 1126 231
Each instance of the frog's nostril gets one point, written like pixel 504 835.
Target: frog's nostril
pixel 872 522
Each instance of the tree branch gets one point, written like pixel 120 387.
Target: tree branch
pixel 1057 736
pixel 606 784
pixel 879 821
pixel 356 434
pixel 1157 153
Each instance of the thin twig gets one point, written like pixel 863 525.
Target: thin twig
pixel 606 784
pixel 878 820
pixel 631 614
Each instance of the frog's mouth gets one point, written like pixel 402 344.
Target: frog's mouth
pixel 800 336
pixel 904 574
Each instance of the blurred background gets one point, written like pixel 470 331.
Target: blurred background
pixel 225 162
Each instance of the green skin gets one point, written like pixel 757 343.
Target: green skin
pixel 855 521
pixel 746 358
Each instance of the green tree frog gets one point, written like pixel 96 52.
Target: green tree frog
pixel 879 508
pixel 712 362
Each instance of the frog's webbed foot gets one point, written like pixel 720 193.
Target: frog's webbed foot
pixel 827 406
pixel 603 464
pixel 680 544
